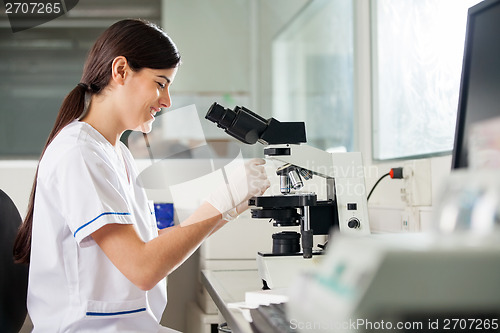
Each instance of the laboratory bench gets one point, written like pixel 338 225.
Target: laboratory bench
pixel 227 288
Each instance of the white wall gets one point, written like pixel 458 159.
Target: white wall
pixel 226 45
pixel 16 179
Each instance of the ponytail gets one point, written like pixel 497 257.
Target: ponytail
pixel 73 106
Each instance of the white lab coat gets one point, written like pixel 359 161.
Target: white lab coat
pixel 73 287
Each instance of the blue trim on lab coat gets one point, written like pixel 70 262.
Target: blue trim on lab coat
pixel 115 313
pixel 107 213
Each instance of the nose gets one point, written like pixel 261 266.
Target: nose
pixel 165 100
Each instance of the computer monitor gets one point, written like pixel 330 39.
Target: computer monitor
pixel 479 97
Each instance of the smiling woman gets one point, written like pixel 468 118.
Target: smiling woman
pixel 97 260
pixel 84 140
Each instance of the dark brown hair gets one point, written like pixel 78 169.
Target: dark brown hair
pixel 144 45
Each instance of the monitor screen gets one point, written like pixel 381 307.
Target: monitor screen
pixel 480 85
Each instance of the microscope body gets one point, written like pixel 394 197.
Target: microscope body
pixel 344 209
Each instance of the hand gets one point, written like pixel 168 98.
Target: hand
pixel 243 182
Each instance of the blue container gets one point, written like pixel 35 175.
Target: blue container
pixel 164 213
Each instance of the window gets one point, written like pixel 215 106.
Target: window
pixel 417 63
pixel 313 73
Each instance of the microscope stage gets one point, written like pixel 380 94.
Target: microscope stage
pixel 290 200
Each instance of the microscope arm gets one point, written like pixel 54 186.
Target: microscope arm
pixel 345 178
pixel 302 156
pixel 319 162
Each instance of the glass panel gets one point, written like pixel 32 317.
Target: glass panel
pixel 39 66
pixel 313 73
pixel 418 50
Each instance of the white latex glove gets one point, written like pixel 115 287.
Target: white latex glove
pixel 243 182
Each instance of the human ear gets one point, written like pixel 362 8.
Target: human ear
pixel 119 69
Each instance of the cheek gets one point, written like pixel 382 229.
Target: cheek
pixel 147 93
pixel 142 96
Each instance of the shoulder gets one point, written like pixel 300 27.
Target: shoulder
pixel 75 144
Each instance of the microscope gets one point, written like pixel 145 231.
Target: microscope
pixel 343 209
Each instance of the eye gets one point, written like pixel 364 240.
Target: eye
pixel 162 85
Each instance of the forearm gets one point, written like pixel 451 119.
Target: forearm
pixel 177 243
pixel 146 263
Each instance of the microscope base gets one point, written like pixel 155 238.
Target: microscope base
pixel 278 271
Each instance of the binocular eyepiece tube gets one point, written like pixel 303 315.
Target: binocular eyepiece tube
pixel 248 127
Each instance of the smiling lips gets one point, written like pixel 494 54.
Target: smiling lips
pixel 154 110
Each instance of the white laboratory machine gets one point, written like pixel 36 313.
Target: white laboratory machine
pixel 399 283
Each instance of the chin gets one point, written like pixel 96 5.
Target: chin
pixel 145 128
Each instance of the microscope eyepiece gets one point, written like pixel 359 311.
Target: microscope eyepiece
pixel 221 116
pixel 240 123
pixel 249 127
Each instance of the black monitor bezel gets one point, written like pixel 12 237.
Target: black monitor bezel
pixel 464 82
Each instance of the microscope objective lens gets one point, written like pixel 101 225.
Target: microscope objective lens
pixel 306 174
pixel 284 184
pixel 295 180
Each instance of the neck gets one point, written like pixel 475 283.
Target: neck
pixel 100 117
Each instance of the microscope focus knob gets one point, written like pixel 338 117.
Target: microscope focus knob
pixel 353 223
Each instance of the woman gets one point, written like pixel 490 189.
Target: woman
pixel 97 263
